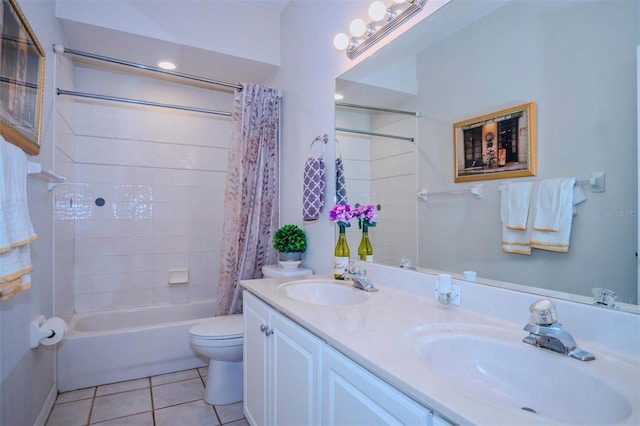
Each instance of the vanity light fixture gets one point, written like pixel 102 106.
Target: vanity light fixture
pixel 384 19
pixel 166 65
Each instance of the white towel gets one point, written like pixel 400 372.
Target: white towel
pixel 552 199
pixel 15 225
pixel 515 201
pixel 15 267
pixel 515 205
pixel 554 202
pixel 16 230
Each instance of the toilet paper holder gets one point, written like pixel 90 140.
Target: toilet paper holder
pixel 46 332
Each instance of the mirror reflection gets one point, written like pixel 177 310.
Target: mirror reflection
pixel 577 62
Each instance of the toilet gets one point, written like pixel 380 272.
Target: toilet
pixel 220 340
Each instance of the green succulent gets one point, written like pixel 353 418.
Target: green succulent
pixel 290 239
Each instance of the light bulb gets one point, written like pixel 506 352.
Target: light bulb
pixel 358 27
pixel 398 1
pixel 377 10
pixel 341 41
pixel 338 97
pixel 166 65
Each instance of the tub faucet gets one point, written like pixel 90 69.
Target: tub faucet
pixel 359 278
pixel 545 332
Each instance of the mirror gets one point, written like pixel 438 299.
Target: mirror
pixel 577 62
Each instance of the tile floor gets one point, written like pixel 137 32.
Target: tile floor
pixel 173 399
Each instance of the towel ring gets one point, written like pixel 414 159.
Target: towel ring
pixel 324 139
pixel 338 149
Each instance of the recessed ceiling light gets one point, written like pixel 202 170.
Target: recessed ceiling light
pixel 166 65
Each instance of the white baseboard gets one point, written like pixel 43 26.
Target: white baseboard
pixel 47 406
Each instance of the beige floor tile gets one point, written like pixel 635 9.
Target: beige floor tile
pixel 120 405
pixel 74 413
pixel 196 413
pixel 76 395
pixel 122 386
pixel 230 412
pixel 242 422
pixel 177 393
pixel 142 419
pixel 174 377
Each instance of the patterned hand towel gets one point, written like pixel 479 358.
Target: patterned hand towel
pixel 341 187
pixel 313 189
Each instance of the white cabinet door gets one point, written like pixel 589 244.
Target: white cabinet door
pixel 354 396
pixel 256 359
pixel 282 368
pixel 296 384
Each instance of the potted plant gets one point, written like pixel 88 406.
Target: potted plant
pixel 290 242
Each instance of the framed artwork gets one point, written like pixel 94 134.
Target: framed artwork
pixel 21 80
pixel 499 145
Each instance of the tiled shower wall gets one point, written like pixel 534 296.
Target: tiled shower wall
pixel 148 192
pixel 63 229
pixel 381 171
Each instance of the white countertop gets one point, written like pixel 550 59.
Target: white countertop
pixel 373 334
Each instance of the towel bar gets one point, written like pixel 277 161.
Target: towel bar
pixel 51 178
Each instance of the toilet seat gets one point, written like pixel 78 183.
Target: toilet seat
pixel 219 328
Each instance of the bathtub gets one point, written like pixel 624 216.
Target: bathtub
pixel 113 346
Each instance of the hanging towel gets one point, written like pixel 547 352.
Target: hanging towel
pixel 313 189
pixel 16 230
pixel 553 197
pixel 515 202
pixel 554 202
pixel 15 225
pixel 341 186
pixel 515 206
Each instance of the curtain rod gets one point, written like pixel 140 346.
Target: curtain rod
pixel 395 111
pixel 382 135
pixel 140 102
pixel 58 48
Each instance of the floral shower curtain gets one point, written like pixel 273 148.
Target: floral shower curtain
pixel 251 193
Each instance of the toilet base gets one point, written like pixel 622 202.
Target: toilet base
pixel 224 383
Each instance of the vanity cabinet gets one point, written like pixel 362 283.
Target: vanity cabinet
pixel 282 368
pixel 354 396
pixel 291 377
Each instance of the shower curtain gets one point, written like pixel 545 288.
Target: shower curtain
pixel 251 193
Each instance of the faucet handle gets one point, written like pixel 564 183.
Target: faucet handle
pixel 605 297
pixel 543 312
pixel 352 267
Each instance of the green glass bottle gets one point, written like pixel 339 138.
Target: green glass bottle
pixel 341 254
pixel 365 250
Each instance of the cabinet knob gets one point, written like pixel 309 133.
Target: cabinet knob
pixel 266 330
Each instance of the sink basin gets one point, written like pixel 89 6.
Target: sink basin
pixel 323 292
pixel 492 365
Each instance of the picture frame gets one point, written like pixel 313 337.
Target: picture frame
pixel 500 145
pixel 21 80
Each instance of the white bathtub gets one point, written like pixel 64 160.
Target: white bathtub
pixel 113 346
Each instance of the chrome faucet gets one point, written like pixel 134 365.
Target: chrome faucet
pixel 359 278
pixel 547 333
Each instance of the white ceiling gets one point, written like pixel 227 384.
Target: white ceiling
pixel 145 50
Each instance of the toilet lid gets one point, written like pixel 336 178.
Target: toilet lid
pixel 222 327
